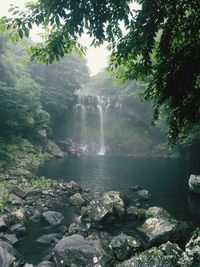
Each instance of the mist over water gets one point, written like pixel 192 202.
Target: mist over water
pixel 167 180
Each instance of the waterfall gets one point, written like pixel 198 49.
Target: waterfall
pixel 100 106
pixel 80 110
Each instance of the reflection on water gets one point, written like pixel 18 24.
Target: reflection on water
pixel 165 179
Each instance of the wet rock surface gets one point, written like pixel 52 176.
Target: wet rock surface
pixel 194 183
pixel 81 252
pixel 105 210
pixel 110 230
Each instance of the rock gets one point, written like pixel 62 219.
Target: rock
pixel 161 227
pixel 81 252
pixel 46 264
pixel 54 149
pixel 52 217
pixel 135 188
pixel 76 200
pixel 124 246
pixel 48 239
pixel 19 191
pixel 73 188
pixel 36 217
pixel 14 199
pixel 143 194
pixel 18 229
pixel 20 214
pixel 3 223
pixel 194 183
pixel 135 213
pixel 166 255
pixel 11 238
pixel 107 209
pixel 191 256
pixel 9 257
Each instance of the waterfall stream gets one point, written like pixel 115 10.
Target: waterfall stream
pixel 100 106
pixel 80 109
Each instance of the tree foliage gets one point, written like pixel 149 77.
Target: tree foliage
pixel 162 42
pixel 20 106
pixel 36 96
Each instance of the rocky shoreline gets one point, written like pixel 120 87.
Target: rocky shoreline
pixel 111 230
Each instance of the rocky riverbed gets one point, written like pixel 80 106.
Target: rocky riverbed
pixel 54 223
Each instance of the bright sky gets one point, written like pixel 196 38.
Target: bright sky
pixel 96 57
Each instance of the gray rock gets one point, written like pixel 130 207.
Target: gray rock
pixel 191 256
pixel 105 210
pixel 81 252
pixel 9 257
pixel 135 188
pixel 48 238
pixel 11 238
pixel 124 246
pixel 143 194
pixel 14 199
pixel 3 223
pixel 52 217
pixel 76 200
pixel 46 264
pixel 161 227
pixel 135 213
pixel 167 255
pixel 194 183
pixel 54 149
pixel 19 191
pixel 36 216
pixel 73 188
pixel 18 229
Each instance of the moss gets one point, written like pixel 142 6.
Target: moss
pixel 3 195
pixel 43 183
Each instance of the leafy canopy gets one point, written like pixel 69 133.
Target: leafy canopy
pixel 162 42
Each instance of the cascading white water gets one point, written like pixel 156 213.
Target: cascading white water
pixel 100 106
pixel 80 108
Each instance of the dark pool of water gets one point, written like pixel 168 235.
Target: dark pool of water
pixel 167 180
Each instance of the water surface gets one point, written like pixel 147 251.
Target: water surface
pixel 167 180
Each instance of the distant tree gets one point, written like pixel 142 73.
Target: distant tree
pixel 162 42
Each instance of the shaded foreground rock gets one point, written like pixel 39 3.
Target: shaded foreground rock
pixel 9 257
pixel 124 246
pixel 81 252
pixel 194 183
pixel 167 255
pixel 191 256
pixel 105 210
pixel 161 227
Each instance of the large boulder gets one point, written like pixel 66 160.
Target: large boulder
pixel 124 246
pixel 75 250
pixel 160 227
pixel 54 149
pixel 194 183
pixel 52 217
pixel 76 200
pixel 107 209
pixel 191 256
pixel 9 257
pixel 167 255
